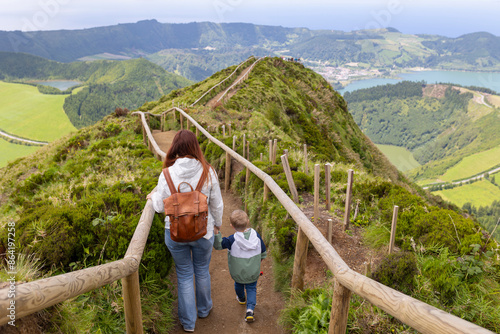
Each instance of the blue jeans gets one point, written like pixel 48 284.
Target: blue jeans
pixel 251 293
pixel 192 258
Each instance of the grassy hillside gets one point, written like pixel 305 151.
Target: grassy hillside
pixel 108 84
pixel 76 202
pixel 11 152
pixel 25 112
pixel 399 156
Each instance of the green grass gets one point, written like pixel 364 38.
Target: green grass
pixel 493 100
pixel 473 165
pixel 481 193
pixel 399 156
pixel 25 112
pixel 11 151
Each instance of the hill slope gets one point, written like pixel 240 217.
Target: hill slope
pixel 76 202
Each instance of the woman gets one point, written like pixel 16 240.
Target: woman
pixel 186 163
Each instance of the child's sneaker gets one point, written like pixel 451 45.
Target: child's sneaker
pixel 249 316
pixel 242 301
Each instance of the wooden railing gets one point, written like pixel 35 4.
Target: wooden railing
pixel 240 79
pixel 38 295
pixel 221 82
pixel 420 316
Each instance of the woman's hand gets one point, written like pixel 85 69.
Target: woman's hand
pixel 216 229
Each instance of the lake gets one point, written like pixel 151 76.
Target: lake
pixel 482 79
pixel 59 84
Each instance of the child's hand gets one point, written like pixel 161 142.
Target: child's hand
pixel 216 229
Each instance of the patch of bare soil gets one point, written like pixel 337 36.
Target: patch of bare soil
pixel 349 246
pixel 164 139
pixel 436 91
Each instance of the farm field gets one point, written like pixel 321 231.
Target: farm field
pixel 11 152
pixel 25 112
pixel 399 156
pixel 473 164
pixel 481 193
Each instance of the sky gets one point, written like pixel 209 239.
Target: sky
pixel 450 18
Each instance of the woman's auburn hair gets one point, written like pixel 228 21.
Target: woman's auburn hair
pixel 185 145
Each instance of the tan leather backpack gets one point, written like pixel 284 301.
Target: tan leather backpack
pixel 188 212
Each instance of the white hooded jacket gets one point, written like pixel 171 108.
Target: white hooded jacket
pixel 189 170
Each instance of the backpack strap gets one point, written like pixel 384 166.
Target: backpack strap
pixel 170 183
pixel 201 182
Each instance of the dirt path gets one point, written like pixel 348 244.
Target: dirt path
pixel 164 139
pixel 227 316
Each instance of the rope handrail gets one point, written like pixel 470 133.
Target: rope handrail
pixel 419 315
pixel 238 81
pixel 208 91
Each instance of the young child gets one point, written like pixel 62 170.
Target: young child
pixel 245 252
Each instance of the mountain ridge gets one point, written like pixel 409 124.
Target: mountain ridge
pixel 382 48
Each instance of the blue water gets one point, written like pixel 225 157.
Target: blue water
pixel 482 79
pixel 60 84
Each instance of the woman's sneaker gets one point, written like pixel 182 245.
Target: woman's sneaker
pixel 249 316
pixel 242 301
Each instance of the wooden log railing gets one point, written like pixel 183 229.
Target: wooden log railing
pixel 40 294
pixel 418 315
pixel 221 82
pixel 240 79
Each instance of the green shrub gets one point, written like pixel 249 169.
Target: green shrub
pixel 446 228
pixel 397 271
pixel 286 237
pixel 441 273
pixel 308 312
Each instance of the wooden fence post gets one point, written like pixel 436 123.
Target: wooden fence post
pixel 306 169
pixel 227 177
pixel 260 156
pixel 316 194
pixel 328 178
pixel 247 178
pixel 197 132
pixel 248 150
pixel 162 123
pixel 266 193
pixel 223 131
pixel 275 149
pixel 132 303
pixel 244 146
pixel 144 136
pixel 393 228
pixel 340 309
pixel 330 231
pixel 181 118
pixel 348 199
pixel 270 150
pixel 300 259
pixel 234 143
pixel 187 124
pixel 289 178
pixel 229 129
